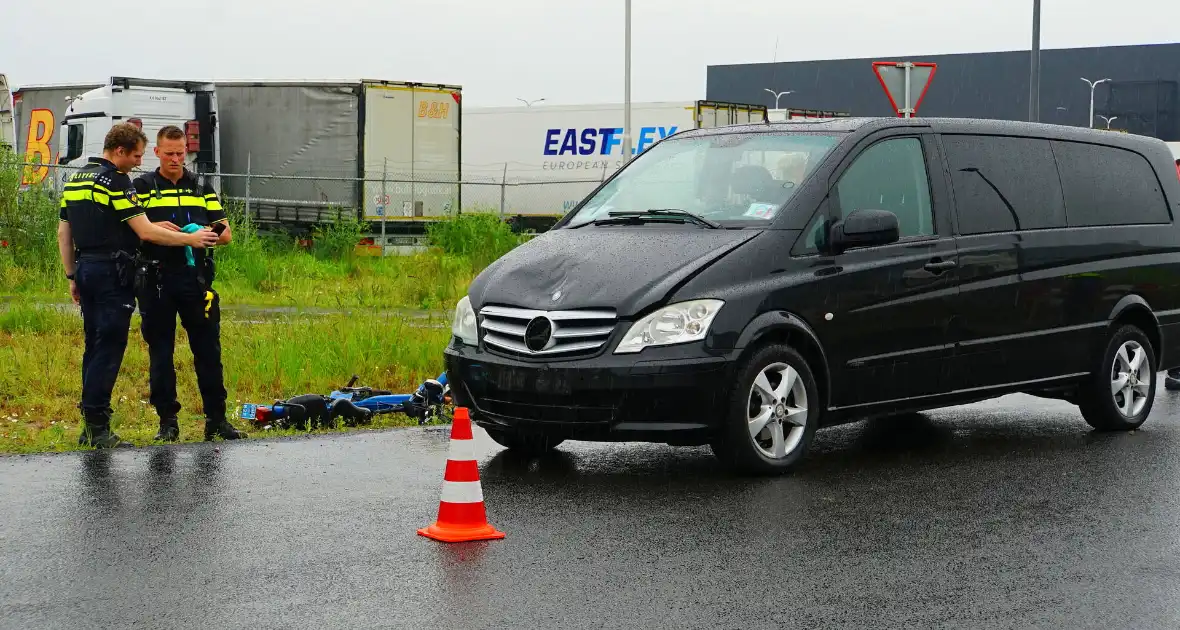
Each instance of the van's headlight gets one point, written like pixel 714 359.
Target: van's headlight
pixel 676 323
pixel 464 325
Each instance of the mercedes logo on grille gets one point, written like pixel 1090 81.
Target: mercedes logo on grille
pixel 538 333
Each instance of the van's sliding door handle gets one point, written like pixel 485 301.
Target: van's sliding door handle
pixel 940 265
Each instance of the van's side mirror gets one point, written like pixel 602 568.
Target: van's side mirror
pixel 863 228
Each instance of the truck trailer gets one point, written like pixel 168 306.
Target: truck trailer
pixel 389 149
pixel 540 161
pixel 38 111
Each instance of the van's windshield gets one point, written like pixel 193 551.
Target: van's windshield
pixel 738 177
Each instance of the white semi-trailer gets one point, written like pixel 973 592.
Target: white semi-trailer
pixel 542 160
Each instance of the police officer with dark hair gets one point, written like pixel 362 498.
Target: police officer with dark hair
pixel 179 282
pixel 100 227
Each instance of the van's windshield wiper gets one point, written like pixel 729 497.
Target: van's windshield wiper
pixel 632 217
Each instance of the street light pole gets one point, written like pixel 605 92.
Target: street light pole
pixel 627 87
pixel 1093 84
pixel 1108 120
pixel 778 95
pixel 1034 75
pixel 529 103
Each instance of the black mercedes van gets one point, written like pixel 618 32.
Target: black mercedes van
pixel 744 286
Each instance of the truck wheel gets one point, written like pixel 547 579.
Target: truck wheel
pixel 1118 395
pixel 774 408
pixel 528 443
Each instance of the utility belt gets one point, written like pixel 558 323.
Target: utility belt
pixel 150 273
pixel 125 263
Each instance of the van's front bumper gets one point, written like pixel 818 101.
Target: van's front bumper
pixel 671 394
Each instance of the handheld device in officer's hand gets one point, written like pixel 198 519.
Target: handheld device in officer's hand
pixel 218 228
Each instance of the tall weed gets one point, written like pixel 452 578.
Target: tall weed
pixel 481 237
pixel 338 240
pixel 28 230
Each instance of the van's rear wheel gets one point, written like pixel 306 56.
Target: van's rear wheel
pixel 772 414
pixel 527 443
pixel 1118 396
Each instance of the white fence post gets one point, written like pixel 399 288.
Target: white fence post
pixel 384 205
pixel 503 189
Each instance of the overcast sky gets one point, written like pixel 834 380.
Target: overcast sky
pixel 566 51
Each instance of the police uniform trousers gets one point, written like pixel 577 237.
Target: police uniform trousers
pixel 107 298
pixel 182 292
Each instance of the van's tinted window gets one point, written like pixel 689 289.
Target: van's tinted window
pixel 1108 186
pixel 1004 184
pixel 890 175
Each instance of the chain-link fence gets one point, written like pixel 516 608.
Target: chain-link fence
pixel 383 194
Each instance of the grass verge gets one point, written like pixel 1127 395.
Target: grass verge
pixel 276 357
pixel 275 270
pixel 266 356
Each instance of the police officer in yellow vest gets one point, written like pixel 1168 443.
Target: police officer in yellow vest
pixel 175 281
pixel 100 227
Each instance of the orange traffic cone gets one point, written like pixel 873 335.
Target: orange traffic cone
pixel 461 514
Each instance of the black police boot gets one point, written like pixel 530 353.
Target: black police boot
pixel 169 430
pixel 1172 380
pixel 223 429
pixel 96 432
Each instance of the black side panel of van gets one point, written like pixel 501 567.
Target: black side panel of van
pixel 1119 241
pixel 1006 196
pixel 1052 234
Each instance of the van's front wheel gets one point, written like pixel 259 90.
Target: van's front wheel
pixel 772 413
pixel 1119 394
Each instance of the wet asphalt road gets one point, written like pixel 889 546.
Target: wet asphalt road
pixel 1009 514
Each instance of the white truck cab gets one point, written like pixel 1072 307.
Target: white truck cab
pixel 151 105
pixel 7 124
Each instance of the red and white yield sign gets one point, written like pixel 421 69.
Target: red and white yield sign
pixel 902 80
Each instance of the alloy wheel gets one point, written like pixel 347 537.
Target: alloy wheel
pixel 777 410
pixel 1130 381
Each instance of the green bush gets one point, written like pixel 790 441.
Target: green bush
pixel 481 237
pixel 28 229
pixel 338 240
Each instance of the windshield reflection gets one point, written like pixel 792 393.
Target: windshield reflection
pixel 738 177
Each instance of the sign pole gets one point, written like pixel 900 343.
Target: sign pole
pixel 627 83
pixel 909 101
pixel 1034 74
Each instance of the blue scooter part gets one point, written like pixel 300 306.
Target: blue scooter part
pixel 389 403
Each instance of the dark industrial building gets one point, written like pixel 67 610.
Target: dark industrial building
pixel 1141 95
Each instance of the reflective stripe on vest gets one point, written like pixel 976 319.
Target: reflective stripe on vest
pixel 88 190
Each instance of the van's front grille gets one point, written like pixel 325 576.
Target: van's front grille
pixel 528 332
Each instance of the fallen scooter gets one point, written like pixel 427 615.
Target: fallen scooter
pixel 353 406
